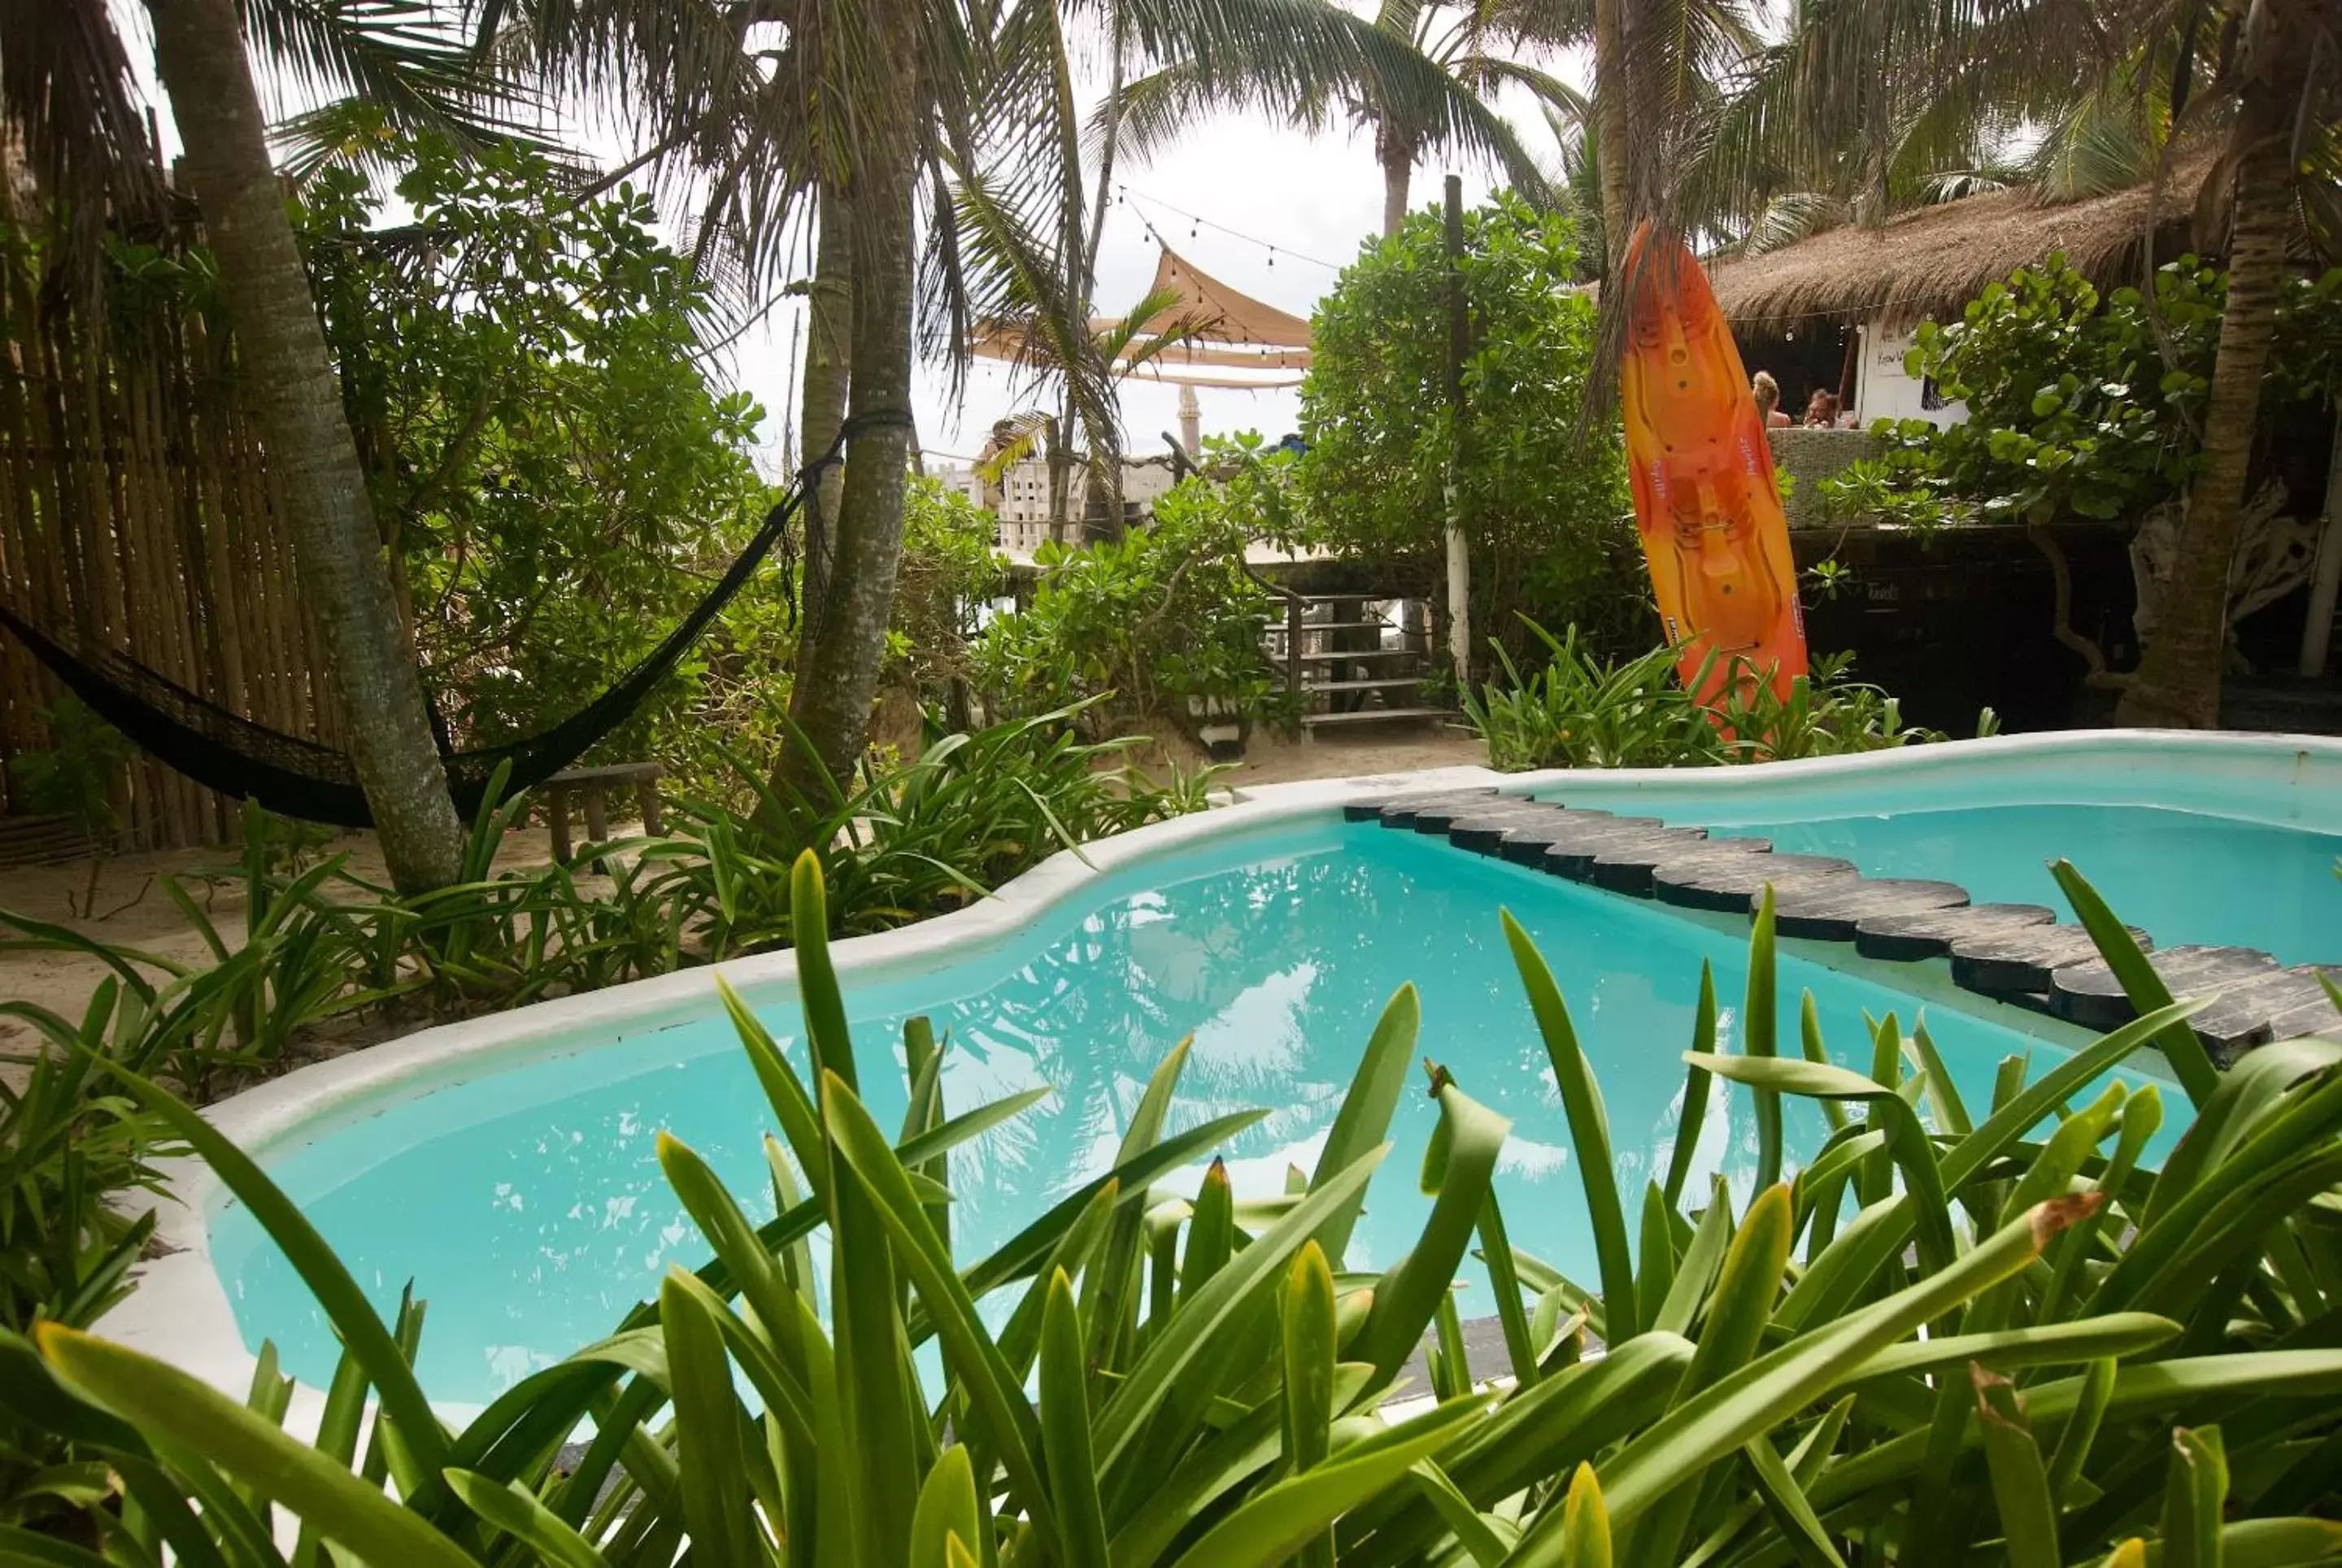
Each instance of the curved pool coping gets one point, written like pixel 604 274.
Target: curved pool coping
pixel 180 1312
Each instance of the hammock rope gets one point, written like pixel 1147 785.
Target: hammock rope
pixel 295 777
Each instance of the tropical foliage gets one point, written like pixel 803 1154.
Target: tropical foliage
pixel 951 570
pixel 1580 711
pixel 2078 404
pixel 1544 501
pixel 559 473
pixel 1955 1330
pixel 1162 626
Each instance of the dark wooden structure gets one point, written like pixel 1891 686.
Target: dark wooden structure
pixel 2013 953
pixel 135 512
pixel 591 788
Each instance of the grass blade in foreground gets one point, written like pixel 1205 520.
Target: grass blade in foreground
pixel 163 1400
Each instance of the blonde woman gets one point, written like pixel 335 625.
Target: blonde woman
pixel 1767 393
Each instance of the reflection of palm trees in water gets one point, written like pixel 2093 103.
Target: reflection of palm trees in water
pixel 1096 1012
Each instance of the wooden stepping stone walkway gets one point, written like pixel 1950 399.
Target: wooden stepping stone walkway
pixel 2015 953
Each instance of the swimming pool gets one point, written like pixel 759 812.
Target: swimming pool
pixel 2220 839
pixel 2181 875
pixel 506 1162
pixel 528 1209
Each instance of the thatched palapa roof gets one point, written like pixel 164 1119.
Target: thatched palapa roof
pixel 1933 261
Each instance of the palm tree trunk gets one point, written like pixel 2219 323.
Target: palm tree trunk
pixel 1396 156
pixel 837 666
pixel 821 407
pixel 2178 680
pixel 1610 98
pixel 312 456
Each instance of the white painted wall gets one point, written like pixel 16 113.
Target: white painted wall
pixel 1025 499
pixel 1881 388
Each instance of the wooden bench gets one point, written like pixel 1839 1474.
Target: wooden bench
pixel 592 786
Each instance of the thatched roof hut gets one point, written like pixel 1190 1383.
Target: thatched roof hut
pixel 1933 261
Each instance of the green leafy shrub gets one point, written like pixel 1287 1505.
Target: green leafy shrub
pixel 561 477
pixel 319 946
pixel 951 568
pixel 77 777
pixel 1162 626
pixel 1953 1335
pixel 2078 405
pixel 1545 501
pixel 1579 710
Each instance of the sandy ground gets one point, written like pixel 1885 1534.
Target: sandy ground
pixel 138 914
pixel 134 911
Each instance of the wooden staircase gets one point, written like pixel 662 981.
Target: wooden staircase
pixel 1349 665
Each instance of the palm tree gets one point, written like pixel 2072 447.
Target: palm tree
pixel 1476 47
pixel 974 135
pixel 65 89
pixel 2283 81
pixel 1866 104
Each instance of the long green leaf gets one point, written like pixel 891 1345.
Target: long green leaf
pixel 1272 1524
pixel 1694 1115
pixel 1721 1418
pixel 515 1510
pixel 1306 1318
pixel 163 1400
pixel 1065 1431
pixel 328 1278
pixel 2140 983
pixel 1200 1322
pixel 1589 1135
pixel 1411 1291
pixel 1362 1125
pixel 2020 1482
pixel 946 1510
pixel 1011 1432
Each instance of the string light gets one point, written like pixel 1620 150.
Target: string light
pixel 1197 222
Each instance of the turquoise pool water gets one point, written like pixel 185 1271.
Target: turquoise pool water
pixel 527 1207
pixel 2181 875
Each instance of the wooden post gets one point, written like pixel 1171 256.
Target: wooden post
pixel 557 817
pixel 1293 646
pixel 2326 576
pixel 647 792
pixel 1459 556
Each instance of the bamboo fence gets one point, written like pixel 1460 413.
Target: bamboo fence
pixel 135 513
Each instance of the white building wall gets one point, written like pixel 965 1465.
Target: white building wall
pixel 1025 499
pixel 1883 390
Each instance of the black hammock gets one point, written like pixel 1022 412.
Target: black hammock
pixel 297 777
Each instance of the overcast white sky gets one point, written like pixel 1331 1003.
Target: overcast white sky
pixel 1308 197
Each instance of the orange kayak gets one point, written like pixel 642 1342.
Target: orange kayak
pixel 1712 529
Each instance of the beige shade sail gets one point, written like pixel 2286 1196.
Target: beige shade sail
pixel 1227 331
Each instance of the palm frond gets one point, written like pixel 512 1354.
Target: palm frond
pixel 66 97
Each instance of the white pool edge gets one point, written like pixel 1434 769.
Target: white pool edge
pixel 180 1311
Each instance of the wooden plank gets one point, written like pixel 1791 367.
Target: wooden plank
pixel 2088 993
pixel 1483 832
pixel 1733 884
pixel 1575 857
pixel 1399 810
pixel 1630 867
pixel 1405 812
pixel 1377 716
pixel 2012 963
pixel 2275 1004
pixel 2314 1015
pixel 1830 910
pixel 1566 847
pixel 1918 935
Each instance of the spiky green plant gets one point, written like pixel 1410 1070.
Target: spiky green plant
pixel 2016 1343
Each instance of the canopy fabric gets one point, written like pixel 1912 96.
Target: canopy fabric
pixel 1228 330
